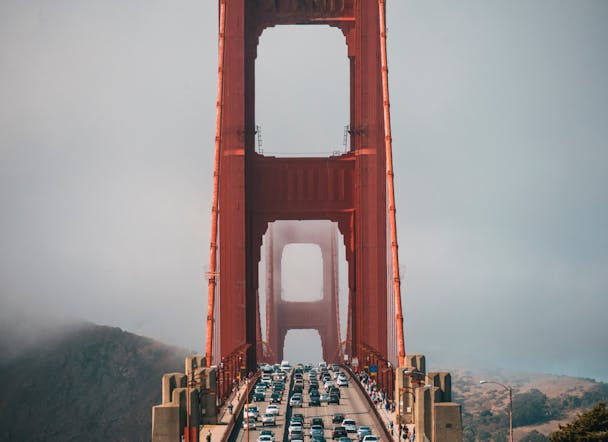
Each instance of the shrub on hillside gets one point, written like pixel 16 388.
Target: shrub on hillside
pixel 591 426
pixel 530 408
pixel 534 436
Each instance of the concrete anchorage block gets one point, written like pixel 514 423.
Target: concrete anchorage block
pixel 443 381
pixel 170 382
pixel 194 362
pixel 447 422
pixel 165 423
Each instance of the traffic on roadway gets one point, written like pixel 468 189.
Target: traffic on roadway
pixel 306 403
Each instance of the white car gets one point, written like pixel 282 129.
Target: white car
pixel 371 438
pixel 265 438
pixel 349 425
pixel 296 400
pixel 272 409
pixel 249 424
pixel 266 380
pixel 268 434
pixel 251 411
pixel 342 383
pixel 295 426
pixel 269 419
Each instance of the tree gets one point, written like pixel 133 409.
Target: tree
pixel 591 426
pixel 530 408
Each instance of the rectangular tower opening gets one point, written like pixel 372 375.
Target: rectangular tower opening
pixel 303 346
pixel 302 91
pixel 297 268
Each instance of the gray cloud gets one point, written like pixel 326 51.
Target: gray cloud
pixel 500 113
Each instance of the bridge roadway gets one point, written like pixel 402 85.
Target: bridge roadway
pixel 353 404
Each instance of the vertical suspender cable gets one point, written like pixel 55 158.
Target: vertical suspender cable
pixel 216 177
pixel 391 185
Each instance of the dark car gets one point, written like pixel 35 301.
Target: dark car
pixel 339 432
pixel 298 417
pixel 337 418
pixel 317 421
pixel 314 401
pixel 259 397
pixel 333 399
pixel 276 398
pixel 336 391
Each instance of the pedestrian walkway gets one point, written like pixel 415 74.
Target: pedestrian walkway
pixel 218 431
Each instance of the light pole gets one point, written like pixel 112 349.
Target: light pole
pixel 510 390
pixel 408 372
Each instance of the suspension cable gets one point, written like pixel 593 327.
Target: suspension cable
pixel 212 275
pixel 391 185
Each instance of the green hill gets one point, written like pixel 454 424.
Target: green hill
pixel 88 382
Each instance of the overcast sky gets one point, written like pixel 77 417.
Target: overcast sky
pixel 500 119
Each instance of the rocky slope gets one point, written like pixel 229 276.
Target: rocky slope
pixel 87 382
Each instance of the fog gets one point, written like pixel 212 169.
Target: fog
pixel 500 122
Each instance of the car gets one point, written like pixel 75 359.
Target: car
pixel 349 425
pixel 269 419
pixel 364 430
pixel 298 417
pixel 267 433
pixel 344 439
pixel 333 399
pixel 265 439
pixel 296 400
pixel 337 418
pixel 342 383
pixel 324 397
pixel 295 426
pixel 259 397
pixel 296 435
pixel 316 430
pixel 371 438
pixel 272 409
pixel 317 439
pixel 276 398
pixel 314 401
pixel 251 411
pixel 338 432
pixel 249 423
pixel 336 391
pixel 317 421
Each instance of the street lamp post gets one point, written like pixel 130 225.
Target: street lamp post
pixel 510 390
pixel 408 372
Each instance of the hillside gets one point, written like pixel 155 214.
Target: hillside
pixel 87 382
pixel 540 402
pixel 96 383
